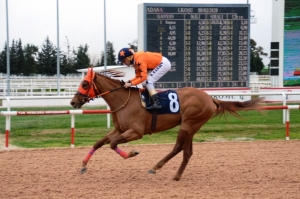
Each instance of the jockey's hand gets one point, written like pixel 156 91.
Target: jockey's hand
pixel 127 84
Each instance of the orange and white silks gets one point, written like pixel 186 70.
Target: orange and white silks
pixel 144 61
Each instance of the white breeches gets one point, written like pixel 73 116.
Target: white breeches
pixel 157 73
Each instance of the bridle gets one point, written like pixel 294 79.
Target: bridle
pixel 92 91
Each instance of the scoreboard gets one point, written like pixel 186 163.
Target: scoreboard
pixel 208 45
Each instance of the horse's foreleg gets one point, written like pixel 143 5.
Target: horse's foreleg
pixel 127 136
pixel 96 146
pixel 182 136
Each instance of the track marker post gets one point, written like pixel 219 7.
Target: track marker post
pixel 72 130
pixel 287 125
pixel 7 130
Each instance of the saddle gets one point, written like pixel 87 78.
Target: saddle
pixel 168 99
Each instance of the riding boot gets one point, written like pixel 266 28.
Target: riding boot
pixel 156 103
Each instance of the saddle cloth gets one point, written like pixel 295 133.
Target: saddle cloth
pixel 168 99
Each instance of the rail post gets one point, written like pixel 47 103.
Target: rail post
pixel 7 124
pixel 72 130
pixel 7 130
pixel 287 125
pixel 284 110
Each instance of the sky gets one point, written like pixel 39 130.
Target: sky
pixel 82 22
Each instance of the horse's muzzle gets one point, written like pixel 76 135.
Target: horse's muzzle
pixel 75 105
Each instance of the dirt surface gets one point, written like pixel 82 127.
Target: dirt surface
pixel 216 170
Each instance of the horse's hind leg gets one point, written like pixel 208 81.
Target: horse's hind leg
pixel 183 138
pixel 187 145
pixel 96 146
pixel 187 154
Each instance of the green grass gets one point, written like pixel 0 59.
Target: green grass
pixel 54 130
pixel 264 71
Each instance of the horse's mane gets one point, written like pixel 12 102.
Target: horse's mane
pixel 110 74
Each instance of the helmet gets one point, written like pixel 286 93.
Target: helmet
pixel 123 53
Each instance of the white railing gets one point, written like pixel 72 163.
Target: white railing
pixel 8 113
pixel 40 76
pixel 53 100
pixel 39 87
pixel 45 85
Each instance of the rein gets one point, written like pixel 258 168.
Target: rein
pixel 123 104
pixel 113 90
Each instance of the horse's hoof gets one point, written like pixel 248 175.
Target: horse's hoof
pixel 83 170
pixel 151 171
pixel 133 153
pixel 176 177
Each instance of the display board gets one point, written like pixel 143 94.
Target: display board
pixel 291 69
pixel 208 45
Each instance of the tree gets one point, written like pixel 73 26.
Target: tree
pixel 20 62
pixel 110 55
pixel 13 58
pixel 98 63
pixel 30 54
pixel 47 58
pixel 256 63
pixel 134 45
pixel 3 60
pixel 101 63
pixel 68 60
pixel 82 58
pixel 16 58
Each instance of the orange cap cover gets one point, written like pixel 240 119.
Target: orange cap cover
pixel 89 78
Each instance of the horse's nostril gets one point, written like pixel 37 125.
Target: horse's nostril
pixel 72 103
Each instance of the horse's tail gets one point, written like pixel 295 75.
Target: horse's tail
pixel 233 107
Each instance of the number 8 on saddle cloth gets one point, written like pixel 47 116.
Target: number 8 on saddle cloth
pixel 168 99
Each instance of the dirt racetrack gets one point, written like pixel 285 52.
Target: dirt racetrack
pixel 216 170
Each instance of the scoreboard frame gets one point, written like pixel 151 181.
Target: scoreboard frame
pixel 215 64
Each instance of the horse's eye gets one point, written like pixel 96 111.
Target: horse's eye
pixel 85 85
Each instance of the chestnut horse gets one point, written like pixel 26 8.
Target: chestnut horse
pixel 132 121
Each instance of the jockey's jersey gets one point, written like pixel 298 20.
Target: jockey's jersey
pixel 144 61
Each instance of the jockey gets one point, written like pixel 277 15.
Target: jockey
pixel 144 62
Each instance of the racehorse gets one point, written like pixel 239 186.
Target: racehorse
pixel 132 121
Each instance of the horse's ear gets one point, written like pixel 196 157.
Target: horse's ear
pixel 90 73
